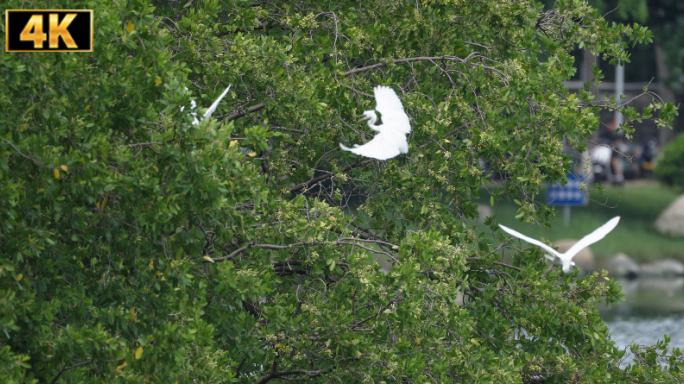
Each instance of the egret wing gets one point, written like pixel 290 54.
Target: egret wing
pixel 213 107
pixel 593 237
pixel 391 109
pixel 379 148
pixel 193 105
pixel 531 240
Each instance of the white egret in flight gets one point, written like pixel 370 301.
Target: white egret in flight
pixel 391 139
pixel 566 258
pixel 209 111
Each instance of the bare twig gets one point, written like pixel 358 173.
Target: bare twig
pixel 144 144
pixel 39 163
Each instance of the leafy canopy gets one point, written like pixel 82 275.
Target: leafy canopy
pixel 670 168
pixel 136 247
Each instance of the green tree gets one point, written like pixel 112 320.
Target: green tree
pixel 136 247
pixel 670 168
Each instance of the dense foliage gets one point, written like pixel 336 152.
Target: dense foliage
pixel 670 168
pixel 136 247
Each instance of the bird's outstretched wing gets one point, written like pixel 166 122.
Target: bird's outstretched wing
pixel 382 147
pixel 531 241
pixel 391 109
pixel 213 107
pixel 593 237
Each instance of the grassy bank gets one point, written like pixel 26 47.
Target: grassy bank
pixel 638 207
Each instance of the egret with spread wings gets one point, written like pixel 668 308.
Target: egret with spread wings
pixel 566 258
pixel 209 111
pixel 391 139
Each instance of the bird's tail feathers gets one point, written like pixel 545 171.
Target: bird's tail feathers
pixel 344 148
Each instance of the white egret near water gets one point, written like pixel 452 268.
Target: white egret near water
pixel 391 139
pixel 209 111
pixel 566 258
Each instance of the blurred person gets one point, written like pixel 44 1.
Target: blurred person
pixel 616 165
pixel 637 158
pixel 649 156
pixel 600 158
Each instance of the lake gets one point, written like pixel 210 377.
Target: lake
pixel 652 307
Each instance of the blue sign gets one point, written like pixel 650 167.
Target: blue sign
pixel 570 195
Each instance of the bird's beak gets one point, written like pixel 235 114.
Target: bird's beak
pixel 362 117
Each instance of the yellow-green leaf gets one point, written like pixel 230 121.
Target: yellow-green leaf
pixel 158 81
pixel 155 168
pixel 19 277
pixel 138 353
pixel 130 27
pixel 209 259
pixel 87 107
pixel 418 340
pixel 572 97
pixel 252 154
pixel 120 367
pixel 64 168
pixel 232 142
pixel 56 173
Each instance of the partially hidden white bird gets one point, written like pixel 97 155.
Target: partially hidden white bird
pixel 391 139
pixel 566 258
pixel 209 111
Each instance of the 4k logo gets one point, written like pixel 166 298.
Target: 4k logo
pixel 49 30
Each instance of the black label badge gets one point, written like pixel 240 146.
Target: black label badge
pixel 49 30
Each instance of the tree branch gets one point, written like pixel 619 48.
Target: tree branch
pixel 144 144
pixel 328 176
pixel 382 310
pixel 39 163
pixel 494 262
pixel 430 59
pixel 267 246
pixel 342 241
pixel 391 256
pixel 275 375
pixel 238 115
pixel 69 368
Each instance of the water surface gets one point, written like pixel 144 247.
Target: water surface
pixel 652 308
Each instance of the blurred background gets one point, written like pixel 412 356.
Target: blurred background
pixel 642 178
